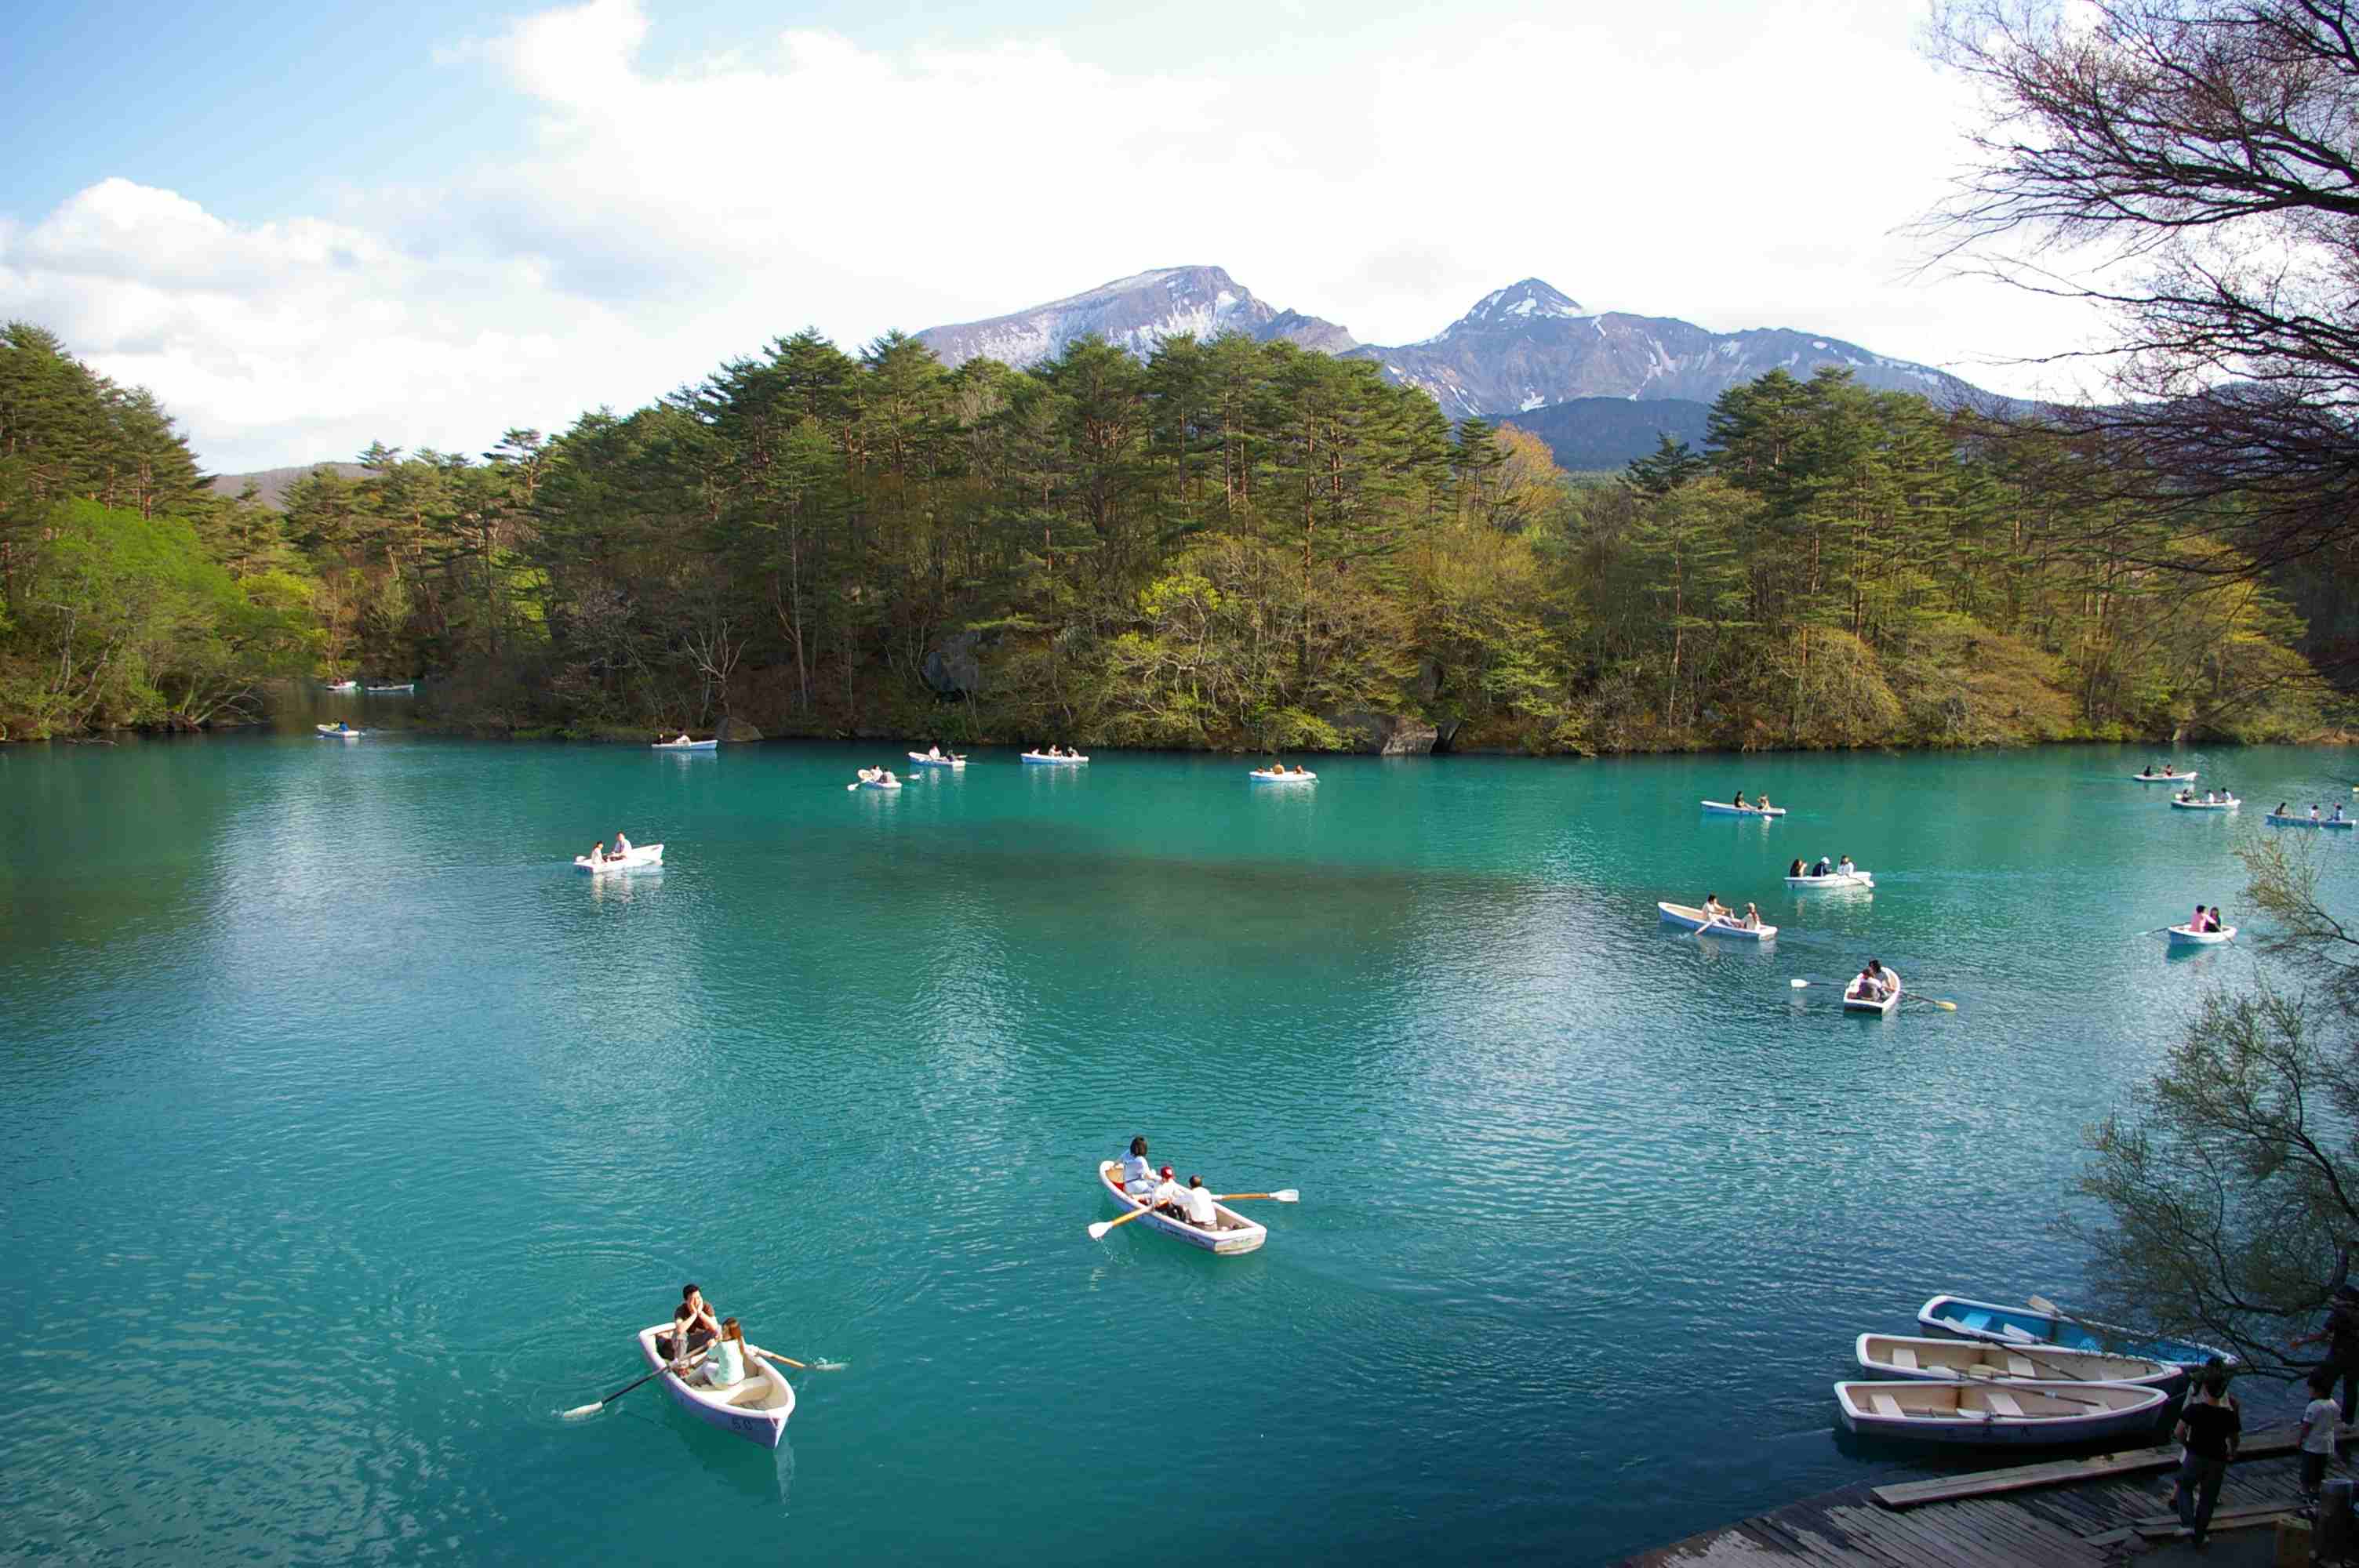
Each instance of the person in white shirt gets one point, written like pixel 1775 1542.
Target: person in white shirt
pixel 1136 1176
pixel 1168 1194
pixel 1714 911
pixel 622 845
pixel 1196 1205
pixel 1846 868
pixel 724 1362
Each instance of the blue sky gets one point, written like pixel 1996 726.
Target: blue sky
pixel 308 226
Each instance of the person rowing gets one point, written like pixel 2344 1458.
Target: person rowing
pixel 621 847
pixel 1196 1205
pixel 2213 919
pixel 934 752
pixel 2195 924
pixel 1716 913
pixel 1874 984
pixel 1823 869
pixel 683 739
pixel 2280 811
pixel 2146 772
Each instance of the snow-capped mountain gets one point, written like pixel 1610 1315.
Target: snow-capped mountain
pixel 1136 313
pixel 1528 346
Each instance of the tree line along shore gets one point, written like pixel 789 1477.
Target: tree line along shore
pixel 1225 546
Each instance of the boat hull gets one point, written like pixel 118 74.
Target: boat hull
pixel 880 783
pixel 2181 937
pixel 1890 1357
pixel 1237 1233
pixel 403 690
pixel 1262 775
pixel 2277 821
pixel 2205 804
pixel 1996 1415
pixel 1834 881
pixel 1868 1004
pixel 641 855
pixel 2160 778
pixel 764 1425
pixel 1999 1324
pixel 1724 808
pixel 713 745
pixel 925 762
pixel 1054 761
pixel 1693 920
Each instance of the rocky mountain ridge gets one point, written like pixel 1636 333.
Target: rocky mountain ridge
pixel 1135 313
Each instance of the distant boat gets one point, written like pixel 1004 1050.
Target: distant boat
pixel 2160 778
pixel 1280 775
pixel 1869 1004
pixel 404 688
pixel 684 745
pixel 1695 920
pixel 1725 809
pixel 632 860
pixel 1232 1232
pixel 339 732
pixel 1999 1414
pixel 934 759
pixel 2022 1326
pixel 340 686
pixel 2228 804
pixel 2275 821
pixel 1832 880
pixel 1044 757
pixel 2186 936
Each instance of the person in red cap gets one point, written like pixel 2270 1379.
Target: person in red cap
pixel 1168 1195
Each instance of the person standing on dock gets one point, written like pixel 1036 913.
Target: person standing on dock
pixel 2342 1334
pixel 2209 1427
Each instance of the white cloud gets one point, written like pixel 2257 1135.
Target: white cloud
pixel 1746 174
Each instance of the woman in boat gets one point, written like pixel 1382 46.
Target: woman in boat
pixel 683 739
pixel 2313 811
pixel 1138 1177
pixel 2147 772
pixel 1739 801
pixel 1843 868
pixel 1752 920
pixel 1796 869
pixel 2280 811
pixel 725 1363
pixel 2212 919
pixel 1762 804
pixel 1874 984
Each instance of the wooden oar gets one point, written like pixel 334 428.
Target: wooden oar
pixel 2032 1356
pixel 1937 1002
pixel 577 1412
pixel 1097 1231
pixel 797 1366
pixel 1288 1195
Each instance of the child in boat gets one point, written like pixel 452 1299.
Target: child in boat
pixel 1168 1194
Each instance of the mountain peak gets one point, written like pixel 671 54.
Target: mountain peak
pixel 1526 300
pixel 1136 313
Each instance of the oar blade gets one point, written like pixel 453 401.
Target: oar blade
pixel 1098 1231
pixel 1288 1195
pixel 579 1411
pixel 1799 985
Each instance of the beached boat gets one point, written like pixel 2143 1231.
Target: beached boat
pixel 2228 804
pixel 1999 1413
pixel 1833 880
pixel 2023 1325
pixel 1725 809
pixel 1693 919
pixel 2187 936
pixel 756 1409
pixel 1891 1355
pixel 2160 778
pixel 1869 1004
pixel 925 760
pixel 638 855
pixel 1237 1233
pixel 396 690
pixel 2277 821
pixel 339 732
pixel 340 686
pixel 1266 775
pixel 1043 757
pixel 711 745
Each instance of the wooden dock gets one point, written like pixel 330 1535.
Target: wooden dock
pixel 2072 1513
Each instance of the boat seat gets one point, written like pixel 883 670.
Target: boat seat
pixel 756 1395
pixel 2017 1367
pixel 1903 1357
pixel 2001 1403
pixel 1887 1407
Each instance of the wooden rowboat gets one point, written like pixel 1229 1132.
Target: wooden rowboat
pixel 756 1409
pixel 925 760
pixel 2022 1326
pixel 1999 1414
pixel 1833 880
pixel 1868 1003
pixel 1237 1233
pixel 340 686
pixel 1264 775
pixel 2228 804
pixel 711 745
pixel 1891 1355
pixel 398 689
pixel 1043 757
pixel 1725 809
pixel 638 856
pixel 2160 778
pixel 2187 936
pixel 1693 919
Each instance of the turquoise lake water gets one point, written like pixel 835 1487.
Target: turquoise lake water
pixel 349 1133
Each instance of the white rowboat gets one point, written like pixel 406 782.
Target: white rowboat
pixel 1042 757
pixel 2185 936
pixel 1999 1414
pixel 1265 776
pixel 340 686
pixel 1853 879
pixel 337 732
pixel 1237 1233
pixel 2160 778
pixel 1888 1356
pixel 923 761
pixel 638 856
pixel 2228 804
pixel 1725 809
pixel 408 685
pixel 2275 820
pixel 756 1409
pixel 1694 920
pixel 880 783
pixel 711 745
pixel 1869 1004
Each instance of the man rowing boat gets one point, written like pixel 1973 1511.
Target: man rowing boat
pixel 1874 984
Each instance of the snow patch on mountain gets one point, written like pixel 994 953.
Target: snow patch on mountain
pixel 1137 313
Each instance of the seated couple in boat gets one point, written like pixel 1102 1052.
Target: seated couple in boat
pixel 1280 767
pixel 1053 751
pixel 683 740
pixel 876 775
pixel 2205 920
pixel 715 1346
pixel 1874 984
pixel 598 850
pixel 1738 801
pixel 2169 772
pixel 1718 914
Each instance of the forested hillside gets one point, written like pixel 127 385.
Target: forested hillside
pixel 1232 545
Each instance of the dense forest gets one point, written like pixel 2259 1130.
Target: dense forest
pixel 1232 545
